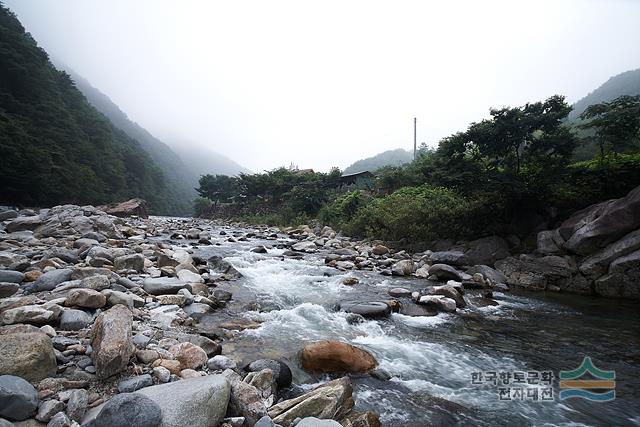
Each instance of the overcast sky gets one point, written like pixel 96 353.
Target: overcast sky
pixel 326 83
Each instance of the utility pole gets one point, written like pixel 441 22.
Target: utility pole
pixel 415 121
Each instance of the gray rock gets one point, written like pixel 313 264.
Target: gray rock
pixel 245 400
pixel 281 370
pixel 77 404
pixel 136 383
pixel 304 246
pixel 32 314
pixel 80 243
pixel 18 398
pixel 549 242
pixel 265 422
pixel 74 320
pixel 330 400
pixel 220 363
pixel 162 285
pixel 129 262
pixel 9 214
pixel 445 272
pixel 595 227
pixel 404 267
pixel 195 402
pixel 441 302
pixel 316 422
pixel 10 276
pixel 112 341
pixel 487 250
pixel 197 310
pixel 22 223
pixel 597 264
pixel 8 289
pixel 48 409
pixel 27 355
pixel 49 280
pixel 451 258
pixel 131 409
pixel 492 274
pixel 60 420
pixel 399 292
pixel 371 310
pixel 221 266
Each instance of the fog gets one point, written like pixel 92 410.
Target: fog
pixel 322 84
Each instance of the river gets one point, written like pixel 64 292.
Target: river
pixel 431 360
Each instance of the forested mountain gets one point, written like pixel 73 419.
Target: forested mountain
pixel 180 180
pixel 627 83
pixel 182 167
pixel 395 157
pixel 54 146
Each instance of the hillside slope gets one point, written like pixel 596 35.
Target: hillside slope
pixel 386 158
pixel 54 146
pixel 627 83
pixel 180 181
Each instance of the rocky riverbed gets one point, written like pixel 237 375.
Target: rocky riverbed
pixel 110 321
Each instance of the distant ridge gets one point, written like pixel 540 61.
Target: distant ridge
pixel 395 157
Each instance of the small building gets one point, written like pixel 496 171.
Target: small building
pixel 364 179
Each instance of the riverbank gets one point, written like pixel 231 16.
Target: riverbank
pixel 185 311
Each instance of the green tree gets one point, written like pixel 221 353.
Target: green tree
pixel 217 188
pixel 616 124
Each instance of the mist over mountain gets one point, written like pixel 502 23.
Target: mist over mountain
pixel 55 147
pixel 626 83
pixel 395 157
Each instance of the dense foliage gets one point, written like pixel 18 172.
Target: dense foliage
pixel 54 146
pixel 507 174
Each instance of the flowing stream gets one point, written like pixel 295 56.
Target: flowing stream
pixel 431 359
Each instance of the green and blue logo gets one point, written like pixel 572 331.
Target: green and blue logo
pixel 599 386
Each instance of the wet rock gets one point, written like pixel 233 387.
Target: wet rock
pixel 415 310
pixel 332 400
pixel 189 355
pixel 18 398
pixel 129 409
pixel 492 274
pixel 361 419
pixel 162 285
pixel 196 402
pixel 74 320
pixel 404 267
pixel 441 302
pixel 449 291
pixel 597 264
pixel 9 276
pixel 399 292
pixel 197 310
pixel 27 355
pixel 371 310
pixel 334 356
pixel 305 246
pixel 112 341
pixel 136 383
pixel 446 272
pixel 87 298
pixel 221 266
pixel 281 370
pixel 222 295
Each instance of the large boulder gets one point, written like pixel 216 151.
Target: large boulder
pixel 601 224
pixel 623 279
pixel 23 223
pixel 487 250
pixel 112 341
pixel 597 264
pixel 194 402
pixel 541 273
pixel 332 400
pixel 446 272
pixel 128 409
pixel 456 258
pixel 403 267
pixel 245 399
pixel 18 398
pixel 496 277
pixel 27 355
pixel 133 207
pixel 334 356
pixel 549 242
